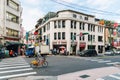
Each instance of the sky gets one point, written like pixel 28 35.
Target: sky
pixel 35 9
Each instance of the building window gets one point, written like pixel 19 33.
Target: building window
pixel 80 25
pixel 86 18
pixel 74 36
pixel 55 25
pixel 63 35
pixel 55 36
pixel 59 24
pixel 93 38
pixel 40 31
pixel 12 4
pixel 44 29
pixel 80 38
pixel 59 35
pixel 11 32
pixel 99 38
pixel 44 38
pixel 83 26
pixel 81 18
pixel 74 15
pixel 89 37
pixel 71 24
pixel 48 26
pixel 71 35
pixel 74 24
pixel 89 27
pixel 83 38
pixel 94 28
pixel 12 17
pixel 63 23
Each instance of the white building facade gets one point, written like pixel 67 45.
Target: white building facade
pixel 10 20
pixel 64 30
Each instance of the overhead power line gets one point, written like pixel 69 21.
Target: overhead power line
pixel 89 8
pixel 83 8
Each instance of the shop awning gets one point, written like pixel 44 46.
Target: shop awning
pixel 82 44
pixel 13 43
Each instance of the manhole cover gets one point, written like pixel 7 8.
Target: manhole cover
pixel 84 76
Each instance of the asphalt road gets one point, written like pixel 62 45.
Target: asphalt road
pixel 66 64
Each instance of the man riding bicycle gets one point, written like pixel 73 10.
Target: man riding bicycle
pixel 42 56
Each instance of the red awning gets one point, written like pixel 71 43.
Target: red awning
pixel 82 44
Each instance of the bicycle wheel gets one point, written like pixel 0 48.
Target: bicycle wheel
pixel 32 65
pixel 45 64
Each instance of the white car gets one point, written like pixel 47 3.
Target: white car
pixel 118 51
pixel 109 52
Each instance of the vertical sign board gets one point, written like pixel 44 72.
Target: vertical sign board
pixel 118 31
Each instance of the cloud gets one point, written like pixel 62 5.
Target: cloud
pixel 30 17
pixel 100 4
pixel 68 0
pixel 32 2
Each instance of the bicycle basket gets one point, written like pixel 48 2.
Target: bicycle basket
pixel 34 62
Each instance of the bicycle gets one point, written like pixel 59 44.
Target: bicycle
pixel 38 63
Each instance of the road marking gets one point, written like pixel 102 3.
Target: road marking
pixel 5 60
pixel 113 63
pixel 17 75
pixel 115 77
pixel 15 67
pixel 16 70
pixel 12 65
pixel 104 61
pixel 100 79
pixel 96 60
pixel 118 73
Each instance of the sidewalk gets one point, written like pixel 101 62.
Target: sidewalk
pixel 91 74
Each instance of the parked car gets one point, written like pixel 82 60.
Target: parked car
pixel 118 51
pixel 109 52
pixel 89 52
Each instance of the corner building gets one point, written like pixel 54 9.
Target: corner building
pixel 63 29
pixel 10 20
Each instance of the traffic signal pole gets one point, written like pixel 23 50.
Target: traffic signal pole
pixel 80 35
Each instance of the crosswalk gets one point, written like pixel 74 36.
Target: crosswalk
pixel 14 67
pixel 111 77
pixel 108 62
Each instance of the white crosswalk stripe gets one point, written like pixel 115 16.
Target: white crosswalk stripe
pixel 104 61
pixel 108 62
pixel 15 67
pixel 110 77
pixel 113 63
